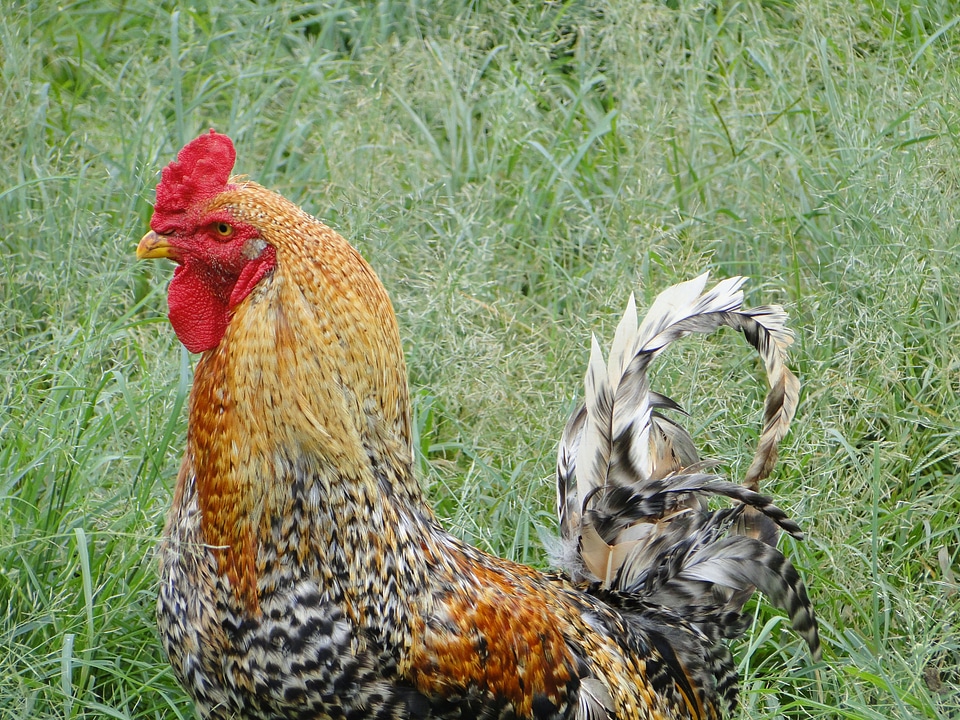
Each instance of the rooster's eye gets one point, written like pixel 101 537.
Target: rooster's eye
pixel 224 230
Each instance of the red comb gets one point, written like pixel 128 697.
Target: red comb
pixel 200 171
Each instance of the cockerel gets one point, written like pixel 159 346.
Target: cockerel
pixel 302 572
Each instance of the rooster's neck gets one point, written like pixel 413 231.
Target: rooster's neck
pixel 299 434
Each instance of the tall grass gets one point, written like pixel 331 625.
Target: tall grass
pixel 512 171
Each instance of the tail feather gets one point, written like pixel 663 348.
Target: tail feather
pixel 631 494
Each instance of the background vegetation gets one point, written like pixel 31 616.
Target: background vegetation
pixel 512 170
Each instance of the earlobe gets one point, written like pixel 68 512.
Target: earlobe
pixel 253 248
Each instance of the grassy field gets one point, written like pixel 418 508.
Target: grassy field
pixel 512 170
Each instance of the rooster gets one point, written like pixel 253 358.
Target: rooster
pixel 302 572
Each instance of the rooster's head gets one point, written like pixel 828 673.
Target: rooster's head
pixel 220 258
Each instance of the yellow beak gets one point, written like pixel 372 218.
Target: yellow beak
pixel 154 245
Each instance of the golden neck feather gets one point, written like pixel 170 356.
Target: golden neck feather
pixel 307 386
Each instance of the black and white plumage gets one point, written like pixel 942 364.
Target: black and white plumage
pixel 631 490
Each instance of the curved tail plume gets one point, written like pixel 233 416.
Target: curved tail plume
pixel 631 490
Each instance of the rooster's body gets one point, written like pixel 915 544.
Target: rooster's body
pixel 304 576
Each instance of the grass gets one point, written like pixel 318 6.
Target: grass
pixel 512 171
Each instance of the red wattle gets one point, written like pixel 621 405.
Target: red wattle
pixel 198 316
